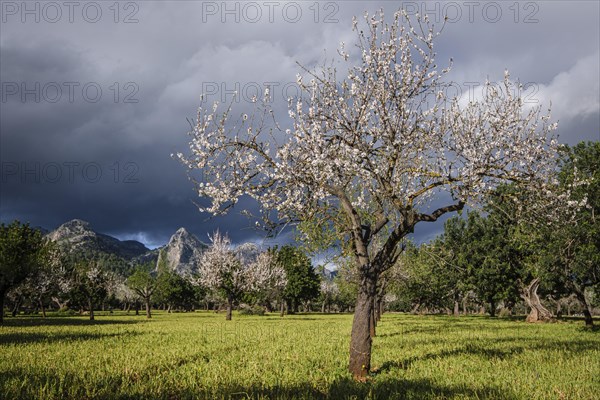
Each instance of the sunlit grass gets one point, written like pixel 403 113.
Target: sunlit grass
pixel 200 355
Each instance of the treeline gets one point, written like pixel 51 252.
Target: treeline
pixel 517 255
pixel 37 275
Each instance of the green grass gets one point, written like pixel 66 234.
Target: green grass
pixel 200 355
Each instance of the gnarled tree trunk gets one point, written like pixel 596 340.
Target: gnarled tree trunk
pixel 61 304
pixel 587 308
pixel 415 308
pixel 361 338
pixel 16 306
pixel 538 311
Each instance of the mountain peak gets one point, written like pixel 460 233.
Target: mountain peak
pixel 74 227
pixel 181 232
pixel 76 223
pixel 183 252
pixel 78 235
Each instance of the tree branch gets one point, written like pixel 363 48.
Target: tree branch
pixel 440 211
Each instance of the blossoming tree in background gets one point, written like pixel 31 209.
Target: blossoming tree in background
pixel 371 154
pixel 268 277
pixel 222 271
pixel 233 272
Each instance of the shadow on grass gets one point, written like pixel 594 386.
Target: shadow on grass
pixel 489 353
pixel 123 387
pixel 69 321
pixel 35 337
pixel 486 350
pixel 346 388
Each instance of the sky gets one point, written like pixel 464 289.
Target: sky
pixel 95 96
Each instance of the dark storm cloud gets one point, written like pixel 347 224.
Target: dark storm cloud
pixel 152 60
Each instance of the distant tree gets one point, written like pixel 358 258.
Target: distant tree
pixel 268 278
pixel 346 280
pixel 23 251
pixel 144 283
pixel 512 238
pixel 175 290
pixel 420 278
pixel 221 269
pixel 40 286
pixel 454 256
pixel 483 256
pixel 302 280
pixel 124 294
pixel 572 242
pixel 329 292
pixel 89 278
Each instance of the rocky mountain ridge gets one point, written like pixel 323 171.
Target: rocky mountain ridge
pixel 181 254
pixel 79 236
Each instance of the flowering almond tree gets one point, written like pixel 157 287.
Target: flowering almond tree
pixel 371 154
pixel 220 269
pixel 268 277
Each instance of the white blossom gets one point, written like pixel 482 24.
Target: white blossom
pixel 380 146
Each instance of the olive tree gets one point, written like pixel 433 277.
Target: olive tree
pixel 23 251
pixel 144 283
pixel 371 153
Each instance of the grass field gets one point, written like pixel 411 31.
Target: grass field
pixel 199 355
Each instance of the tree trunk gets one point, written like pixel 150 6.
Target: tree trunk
pixel 148 314
pixel 323 307
pixel 282 308
pixel 456 311
pixel 377 310
pixel 361 338
pixel 415 308
pixel 43 309
pixel 268 306
pixel 229 308
pixel 15 309
pixel 492 308
pixel 137 308
pixel 587 308
pixel 1 306
pixel 464 305
pixel 538 311
pixel 91 306
pixel 373 321
pixel 558 309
